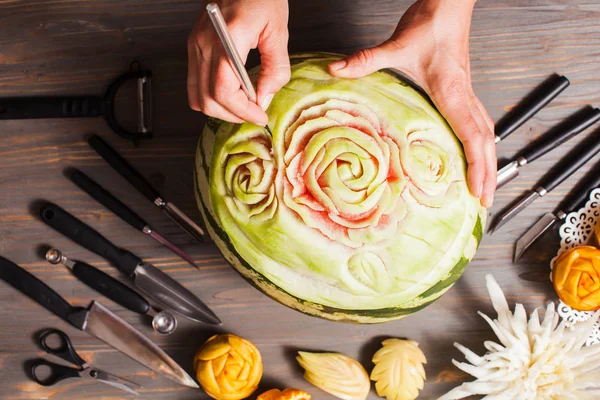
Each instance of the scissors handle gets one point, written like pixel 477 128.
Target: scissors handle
pixel 57 372
pixel 63 350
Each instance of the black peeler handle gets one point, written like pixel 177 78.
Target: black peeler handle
pixel 50 107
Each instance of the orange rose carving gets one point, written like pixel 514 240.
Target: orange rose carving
pixel 576 278
pixel 287 394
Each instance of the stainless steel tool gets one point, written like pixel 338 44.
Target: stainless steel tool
pixel 163 322
pixel 132 176
pixel 537 99
pixel 98 321
pixel 151 281
pixel 90 106
pixel 557 135
pixel 109 201
pixel 84 370
pixel 214 13
pixel 574 200
pixel 574 160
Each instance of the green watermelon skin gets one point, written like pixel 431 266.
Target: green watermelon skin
pixel 205 164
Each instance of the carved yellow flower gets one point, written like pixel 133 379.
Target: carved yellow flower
pixel 286 394
pixel 228 367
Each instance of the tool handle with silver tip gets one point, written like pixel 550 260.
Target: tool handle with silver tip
pixel 580 193
pixel 35 289
pixel 105 198
pixel 574 160
pixel 109 287
pixel 123 168
pixel 562 132
pixel 86 236
pixel 531 104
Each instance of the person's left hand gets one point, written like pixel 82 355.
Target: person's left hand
pixel 431 45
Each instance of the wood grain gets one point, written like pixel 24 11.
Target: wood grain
pixel 78 47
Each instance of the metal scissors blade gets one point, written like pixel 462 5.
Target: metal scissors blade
pixel 110 379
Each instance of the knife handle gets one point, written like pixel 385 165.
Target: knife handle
pixel 579 194
pixel 108 286
pixel 574 160
pixel 87 237
pixel 105 198
pixel 531 104
pixel 123 167
pixel 34 288
pixel 562 132
pixel 50 107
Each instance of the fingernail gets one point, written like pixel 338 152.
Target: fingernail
pixel 478 189
pixel 266 102
pixel 336 66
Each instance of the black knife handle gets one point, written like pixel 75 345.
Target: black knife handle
pixel 49 107
pixel 565 130
pixel 570 163
pixel 531 104
pixel 105 198
pixel 34 288
pixel 580 193
pixel 108 286
pixel 87 237
pixel 123 167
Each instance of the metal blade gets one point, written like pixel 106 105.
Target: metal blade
pixel 533 234
pixel 171 294
pixel 183 221
pixel 106 326
pixel 514 210
pixel 156 236
pixel 112 380
pixel 507 173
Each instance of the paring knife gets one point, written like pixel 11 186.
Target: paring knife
pixel 574 200
pixel 537 99
pixel 150 280
pixel 98 321
pixel 557 135
pixel 109 201
pixel 143 186
pixel 576 158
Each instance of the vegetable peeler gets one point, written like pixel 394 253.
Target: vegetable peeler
pixel 89 106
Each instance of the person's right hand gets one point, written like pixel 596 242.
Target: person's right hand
pixel 212 86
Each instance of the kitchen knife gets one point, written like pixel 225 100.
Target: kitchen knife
pixel 576 158
pixel 98 321
pixel 574 200
pixel 537 99
pixel 150 280
pixel 556 136
pixel 109 201
pixel 143 186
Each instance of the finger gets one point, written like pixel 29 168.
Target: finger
pixel 275 66
pixel 491 166
pixel 193 80
pixel 225 89
pixel 208 105
pixel 367 61
pixel 453 101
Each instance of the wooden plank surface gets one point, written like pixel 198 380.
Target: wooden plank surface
pixel 78 47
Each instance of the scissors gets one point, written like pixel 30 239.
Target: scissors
pixel 59 372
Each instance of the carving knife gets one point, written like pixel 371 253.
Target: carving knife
pixel 150 280
pixel 557 135
pixel 537 99
pixel 576 158
pixel 143 186
pixel 98 321
pixel 575 200
pixel 109 201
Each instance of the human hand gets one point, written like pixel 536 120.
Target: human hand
pixel 431 45
pixel 212 85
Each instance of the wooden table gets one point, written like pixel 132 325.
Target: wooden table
pixel 78 47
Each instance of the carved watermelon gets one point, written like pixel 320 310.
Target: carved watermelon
pixel 356 209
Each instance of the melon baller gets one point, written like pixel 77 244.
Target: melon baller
pixel 89 106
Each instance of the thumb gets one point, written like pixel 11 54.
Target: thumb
pixel 275 67
pixel 366 61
